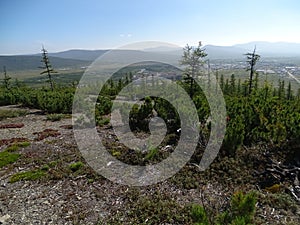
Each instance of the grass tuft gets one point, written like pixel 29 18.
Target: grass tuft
pixel 55 117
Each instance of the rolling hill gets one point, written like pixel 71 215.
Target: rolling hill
pixel 269 49
pixel 76 58
pixel 27 62
pixel 86 55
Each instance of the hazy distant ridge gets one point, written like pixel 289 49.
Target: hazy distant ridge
pixel 77 58
pixel 27 62
pixel 269 49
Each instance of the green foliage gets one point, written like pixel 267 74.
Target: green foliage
pixel 198 215
pixel 10 113
pixel 6 80
pixel 16 146
pixel 103 106
pixel 193 59
pixel 8 158
pixel 140 116
pixel 266 114
pixel 76 166
pixel 234 135
pixel 23 144
pixel 54 117
pixel 100 121
pixel 12 148
pixel 153 209
pixel 279 200
pixel 168 113
pixel 47 68
pixel 243 206
pixel 152 153
pixel 28 175
pixel 58 101
pixel 240 212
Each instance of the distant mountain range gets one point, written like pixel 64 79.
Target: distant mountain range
pixel 82 58
pixel 268 49
pixel 33 62
pixel 86 55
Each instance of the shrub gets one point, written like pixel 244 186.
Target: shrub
pixel 241 211
pixel 76 166
pixel 102 121
pixel 243 206
pixel 199 215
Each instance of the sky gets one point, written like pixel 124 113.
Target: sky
pixel 103 24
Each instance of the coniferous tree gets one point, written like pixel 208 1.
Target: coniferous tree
pixel 226 88
pixel 298 93
pixel 239 86
pixel 232 84
pixel 47 67
pixel 193 59
pixel 252 59
pixel 256 81
pixel 289 93
pixel 222 83
pixel 6 79
pixel 281 93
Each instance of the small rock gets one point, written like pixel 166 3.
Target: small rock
pixel 46 202
pixel 78 197
pixel 4 218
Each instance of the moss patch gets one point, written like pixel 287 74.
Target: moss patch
pixel 16 146
pixel 23 144
pixel 28 175
pixel 76 166
pixel 8 158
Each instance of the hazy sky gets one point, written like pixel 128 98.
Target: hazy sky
pixel 96 24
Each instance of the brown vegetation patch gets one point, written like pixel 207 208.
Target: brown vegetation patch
pixel 67 127
pixel 11 125
pixel 12 140
pixel 46 133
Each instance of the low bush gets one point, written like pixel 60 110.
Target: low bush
pixel 241 212
pixel 76 166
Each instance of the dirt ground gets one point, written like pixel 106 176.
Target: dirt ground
pixel 67 196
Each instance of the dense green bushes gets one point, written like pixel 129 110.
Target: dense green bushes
pixel 267 115
pixel 58 101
